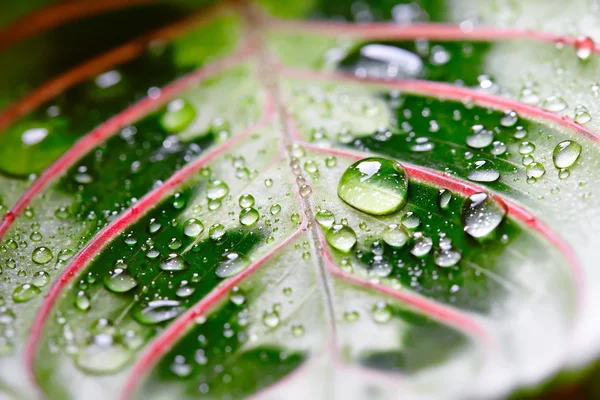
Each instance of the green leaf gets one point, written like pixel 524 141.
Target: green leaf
pixel 314 199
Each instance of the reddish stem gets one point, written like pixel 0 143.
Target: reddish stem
pixel 55 15
pixel 161 344
pixel 112 58
pixel 391 31
pixel 111 128
pixel 447 91
pixel 112 230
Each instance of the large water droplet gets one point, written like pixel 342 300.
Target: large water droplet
pixel 375 186
pixel 566 154
pixel 484 171
pixel 325 218
pixel 119 280
pixel 42 255
pixel 447 257
pixel 535 170
pixel 422 246
pixel 248 216
pixel 25 292
pixel 231 264
pixel 341 237
pixel 246 200
pixel 481 215
pixel 103 356
pixel 395 235
pixel 178 116
pixel 173 263
pixel 216 190
pixel 193 227
pixel 157 311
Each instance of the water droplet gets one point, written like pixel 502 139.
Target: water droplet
pixel 82 302
pixel 526 148
pixel 480 139
pixel 444 198
pixel 375 186
pixel 395 235
pixel 185 290
pixel 216 190
pixel 498 148
pixel 153 226
pixel 509 118
pixel 178 116
pixel 325 218
pixel 305 190
pixel 311 167
pixel 422 246
pixel 298 330
pixel 174 262
pixel 231 264
pixel 566 154
pixel 103 356
pixel 248 216
pixel 582 116
pixel 554 103
pixel 535 171
pixel 351 316
pixel 330 162
pixel 275 209
pixel 271 318
pixel 341 237
pixel 25 292
pixel 447 257
pixel 268 182
pixel 41 279
pixel 42 255
pixel 216 232
pixel 484 171
pixel 481 215
pixel 410 220
pixel 295 218
pixel 157 311
pixel 584 45
pixel 119 280
pixel 381 312
pixel 564 173
pixel 193 227
pixel 246 200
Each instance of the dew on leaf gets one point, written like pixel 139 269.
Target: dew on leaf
pixel 410 220
pixel 82 301
pixel 535 170
pixel 246 200
pixel 231 264
pixel 311 167
pixel 498 148
pixel 480 139
pixel 216 232
pixel 175 244
pixel 444 198
pixel 325 218
pixel 157 311
pixel 554 103
pixel 270 319
pixel 42 255
pixel 295 218
pixel 483 171
pixel 102 356
pixel 374 185
pixel 268 182
pixel 275 209
pixel 248 216
pixel 381 312
pixel 447 257
pixel 193 227
pixel 526 148
pixel 422 246
pixel 395 235
pixel 582 116
pixel 509 118
pixel 584 45
pixel 341 237
pixel 216 190
pixel 481 215
pixel 566 154
pixel 119 280
pixel 330 161
pixel 184 290
pixel 153 226
pixel 178 116
pixel 305 190
pixel 351 316
pixel 25 293
pixel 174 262
pixel 298 330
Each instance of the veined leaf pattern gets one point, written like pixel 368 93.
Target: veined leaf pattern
pixel 173 225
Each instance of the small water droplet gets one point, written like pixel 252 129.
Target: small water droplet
pixel 422 246
pixel 351 316
pixel 447 257
pixel 246 200
pixel 566 154
pixel 381 312
pixel 554 103
pixel 484 171
pixel 41 279
pixel 157 311
pixel 325 218
pixel 481 215
pixel 119 280
pixel 584 45
pixel 410 220
pixel 42 255
pixel 535 170
pixel 231 264
pixel 498 148
pixel 174 262
pixel 298 330
pixel 395 235
pixel 330 162
pixel 444 198
pixel 375 186
pixel 275 209
pixel 216 190
pixel 178 116
pixel 25 293
pixel 82 302
pixel 248 216
pixel 193 227
pixel 341 237
pixel 216 232
pixel 526 148
pixel 480 139
pixel 509 118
